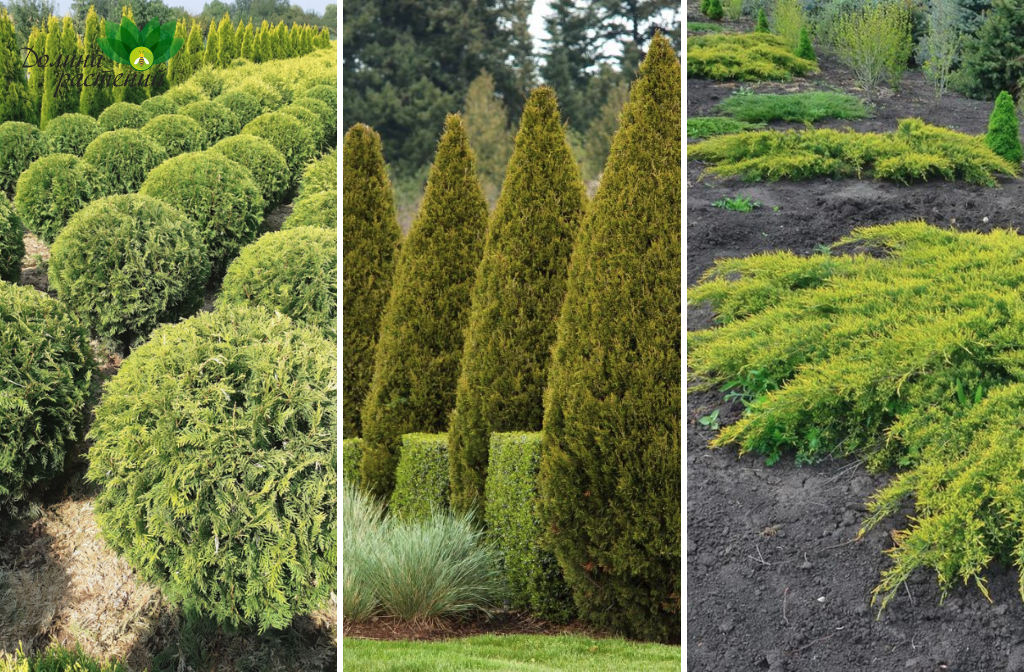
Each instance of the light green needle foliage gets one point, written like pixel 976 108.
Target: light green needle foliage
pixel 699 128
pixel 267 97
pixel 12 243
pixel 46 380
pixel 128 263
pixel 245 106
pixel 1003 135
pixel 157 105
pixel 295 142
pixel 264 163
pixel 421 478
pixel 311 122
pixel 319 210
pixel 745 57
pixel 328 116
pixel 324 93
pixel 805 107
pixel 294 272
pixel 916 151
pixel 216 447
pixel 185 94
pixel 53 189
pixel 124 159
pixel 20 145
pixel 320 175
pixel 71 133
pixel 217 121
pixel 123 115
pixel 176 133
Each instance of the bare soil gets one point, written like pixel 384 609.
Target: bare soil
pixel 776 578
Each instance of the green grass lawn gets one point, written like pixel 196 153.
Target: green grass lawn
pixel 533 653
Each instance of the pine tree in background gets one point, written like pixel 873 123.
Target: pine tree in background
pixel 36 74
pixel 248 39
pixel 715 12
pixel 804 48
pixel 416 365
pixel 192 59
pixel 239 37
pixel 602 130
pixel 280 41
pixel 371 239
pixel 161 85
pixel 489 135
pixel 179 60
pixel 15 100
pixel 987 65
pixel 1003 135
pixel 609 472
pixel 227 50
pixel 762 22
pixel 295 40
pixel 516 297
pixel 212 53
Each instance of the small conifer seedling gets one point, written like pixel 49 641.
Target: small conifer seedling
pixel 762 22
pixel 1003 135
pixel 804 48
pixel 715 12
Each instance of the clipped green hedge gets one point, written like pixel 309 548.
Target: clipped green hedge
pixel 71 133
pixel 328 116
pixel 158 105
pixel 124 159
pixel 20 145
pixel 351 456
pixel 290 137
pixel 123 115
pixel 12 244
pixel 265 164
pixel 227 497
pixel 46 380
pixel 324 93
pixel 245 106
pixel 53 189
pixel 311 122
pixel 217 121
pixel 294 272
pixel 176 133
pixel 319 210
pixel 214 192
pixel 320 175
pixel 421 478
pixel 184 94
pixel 268 97
pixel 515 527
pixel 126 263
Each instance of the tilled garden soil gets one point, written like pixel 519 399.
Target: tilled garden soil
pixel 776 579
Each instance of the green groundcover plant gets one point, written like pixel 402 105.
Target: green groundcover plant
pixel 71 133
pixel 916 151
pixel 700 128
pixel 12 243
pixel 805 107
pixel 216 447
pixel 906 350
pixel 53 189
pixel 746 57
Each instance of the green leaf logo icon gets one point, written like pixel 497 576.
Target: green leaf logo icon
pixel 126 44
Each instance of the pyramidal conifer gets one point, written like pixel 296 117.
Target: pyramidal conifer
pixel 194 61
pixel 61 44
pixel 762 22
pixel 1003 135
pixel 609 471
pixel 371 238
pixel 416 364
pixel 227 50
pixel 36 73
pixel 804 48
pixel 15 102
pixel 517 296
pixel 132 92
pixel 212 54
pixel 96 98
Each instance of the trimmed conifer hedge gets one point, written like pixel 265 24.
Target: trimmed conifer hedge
pixel 71 133
pixel 20 145
pixel 328 116
pixel 319 210
pixel 124 158
pixel 217 121
pixel 127 263
pixel 176 133
pixel 265 164
pixel 609 474
pixel 515 527
pixel 296 144
pixel 227 497
pixel 243 105
pixel 320 175
pixel 53 189
pixel 517 295
pixel 311 122
pixel 12 244
pixel 416 363
pixel 351 456
pixel 421 478
pixel 46 380
pixel 123 115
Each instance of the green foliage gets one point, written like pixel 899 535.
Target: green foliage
pixel 127 263
pixel 804 48
pixel 737 204
pixel 328 116
pixel 598 141
pixel 227 47
pixel 324 93
pixel 733 9
pixel 210 80
pixel 46 380
pixel 157 105
pixel 12 245
pixel 15 100
pixel 61 43
pixel 875 42
pixel 311 122
pixel 184 94
pixel 489 135
pixel 421 478
pixel 265 164
pixel 1003 135
pixel 699 27
pixel 989 63
pixel 610 494
pixel 788 21
pixel 53 189
pixel 93 99
pixel 351 456
pixel 123 115
pixel 914 152
pixel 225 497
pixel 940 49
pixel 370 243
pixel 416 369
pixel 71 133
pixel 36 73
pixel 20 144
pixel 124 159
pixel 293 272
pixel 805 107
pixel 245 106
pixel 296 144
pixel 267 96
pixel 182 65
pixel 320 175
pixel 762 22
pixel 319 210
pixel 706 127
pixel 211 55
pixel 419 571
pixel 747 57
pixel 714 11
pixel 176 133
pixel 217 121
pixel 214 192
pixel 56 658
pixel 517 295
pixel 515 527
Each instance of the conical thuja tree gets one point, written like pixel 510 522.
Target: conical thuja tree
pixel 133 91
pixel 212 53
pixel 15 101
pixel 762 22
pixel 416 365
pixel 371 238
pixel 96 97
pixel 517 296
pixel 61 47
pixel 194 46
pixel 227 50
pixel 1003 135
pixel 609 473
pixel 36 73
pixel 804 48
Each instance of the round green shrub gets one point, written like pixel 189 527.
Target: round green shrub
pixel 214 192
pixel 266 95
pixel 216 120
pixel 12 244
pixel 158 105
pixel 319 210
pixel 53 189
pixel 46 379
pixel 290 138
pixel 265 164
pixel 311 122
pixel 20 145
pixel 244 105
pixel 226 493
pixel 176 133
pixel 327 115
pixel 294 272
pixel 71 133
pixel 123 115
pixel 421 478
pixel 320 175
pixel 124 158
pixel 127 263
pixel 323 93
pixel 185 94
pixel 210 80
pixel 239 62
pixel 279 83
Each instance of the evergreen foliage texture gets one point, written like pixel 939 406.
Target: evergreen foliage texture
pixel 1003 135
pixel 225 497
pixel 351 457
pixel 610 496
pixel 124 157
pixel 808 107
pixel 176 133
pixel 12 244
pixel 71 133
pixel 36 73
pixel 21 143
pixel 53 189
pixel 93 99
pixel 715 12
pixel 489 135
pixel 421 478
pixel 517 296
pixel 290 137
pixel 319 210
pixel 328 117
pixel 123 115
pixel 745 57
pixel 320 175
pixel 244 105
pixel 762 22
pixel 217 121
pixel 416 363
pixel 987 66
pixel 226 47
pixel 61 43
pixel 370 243
pixel 264 163
pixel 804 48
pixel 311 122
pixel 15 100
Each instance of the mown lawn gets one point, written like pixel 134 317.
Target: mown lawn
pixel 534 653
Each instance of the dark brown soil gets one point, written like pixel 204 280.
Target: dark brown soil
pixel 506 623
pixel 776 580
